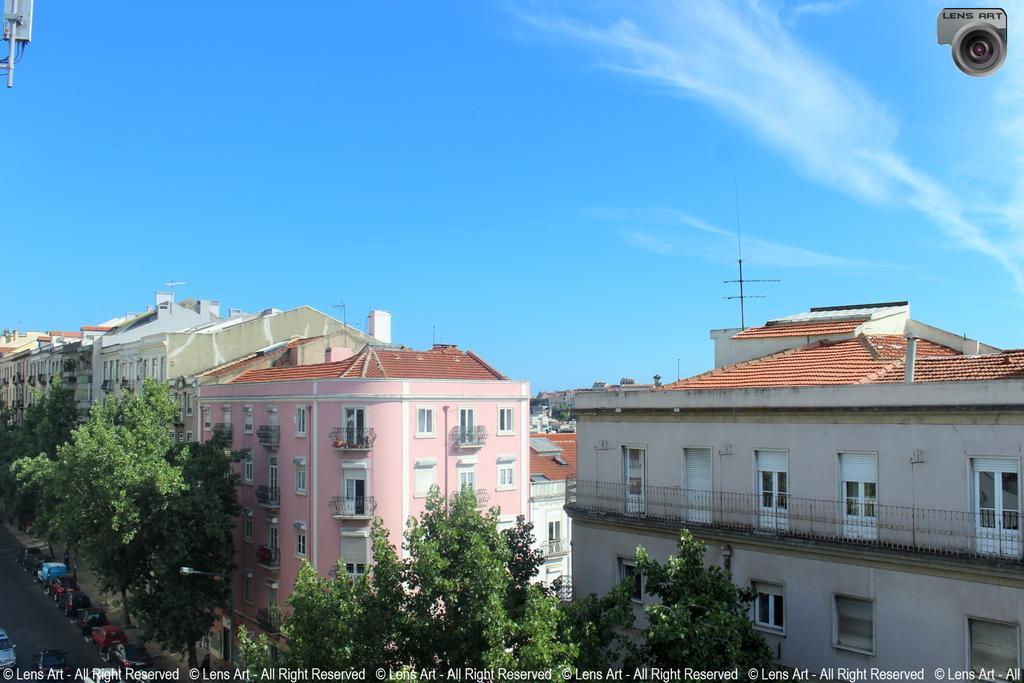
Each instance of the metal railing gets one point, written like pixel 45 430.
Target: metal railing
pixel 268 557
pixel 108 385
pixel 269 436
pixel 555 546
pixel 469 437
pixel 860 522
pixel 352 506
pixel 42 378
pixel 547 489
pixel 32 380
pixel 353 438
pixel 269 621
pixel 268 496
pixel 223 428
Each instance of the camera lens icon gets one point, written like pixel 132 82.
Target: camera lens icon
pixel 977 39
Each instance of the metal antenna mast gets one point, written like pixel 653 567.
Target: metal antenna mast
pixel 344 319
pixel 17 31
pixel 739 259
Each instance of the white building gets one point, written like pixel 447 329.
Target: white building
pixel 859 469
pixel 552 462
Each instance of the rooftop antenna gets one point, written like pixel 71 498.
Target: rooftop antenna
pixel 17 31
pixel 739 259
pixel 344 319
pixel 433 335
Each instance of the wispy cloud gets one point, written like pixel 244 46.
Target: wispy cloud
pixel 753 71
pixel 821 8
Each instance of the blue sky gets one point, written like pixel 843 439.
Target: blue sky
pixel 549 184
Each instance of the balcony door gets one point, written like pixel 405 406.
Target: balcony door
pixel 355 492
pixel 773 489
pixel 633 478
pixel 997 506
pixel 858 476
pixel 272 536
pixel 355 423
pixel 697 485
pixel 272 474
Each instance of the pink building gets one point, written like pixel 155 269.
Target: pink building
pixel 335 444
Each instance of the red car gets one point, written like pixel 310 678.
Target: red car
pixel 60 586
pixel 108 636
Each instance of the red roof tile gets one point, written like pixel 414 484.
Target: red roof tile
pixel 441 362
pixel 546 465
pixel 862 360
pixel 96 328
pixel 801 329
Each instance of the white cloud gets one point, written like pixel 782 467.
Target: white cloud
pixel 752 70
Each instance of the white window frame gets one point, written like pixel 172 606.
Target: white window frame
pixel 247 586
pixel 188 403
pixel 300 420
pixel 207 418
pixel 247 468
pixel 247 419
pixel 836 597
pixel 769 626
pixel 471 469
pixel 969 641
pixel 510 426
pixel 247 527
pixel 188 437
pixel 503 467
pixel 557 525
pixel 300 477
pixel 624 562
pixel 428 410
pixel 301 542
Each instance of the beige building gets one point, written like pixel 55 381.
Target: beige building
pixel 858 469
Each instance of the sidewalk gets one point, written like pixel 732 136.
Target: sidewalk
pixel 112 604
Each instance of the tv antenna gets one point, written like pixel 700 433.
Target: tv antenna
pixel 742 296
pixel 17 31
pixel 344 319
pixel 171 284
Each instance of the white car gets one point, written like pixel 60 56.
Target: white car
pixel 7 655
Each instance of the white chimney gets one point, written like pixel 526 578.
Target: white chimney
pixel 209 309
pixel 908 372
pixel 164 302
pixel 378 323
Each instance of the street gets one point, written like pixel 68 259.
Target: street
pixel 31 619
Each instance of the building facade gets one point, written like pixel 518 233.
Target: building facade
pixel 862 476
pixel 335 444
pixel 552 462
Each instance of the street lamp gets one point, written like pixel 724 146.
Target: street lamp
pixel 192 571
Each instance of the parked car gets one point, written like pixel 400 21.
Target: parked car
pixel 88 619
pixel 29 554
pixel 108 636
pixel 57 587
pixel 33 564
pixel 50 570
pixel 74 601
pixel 8 658
pixel 51 660
pixel 130 656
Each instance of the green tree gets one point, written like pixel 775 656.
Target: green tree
pixel 602 628
pixel 701 619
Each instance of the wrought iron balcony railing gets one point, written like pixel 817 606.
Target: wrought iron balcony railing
pixel 269 621
pixel 987 534
pixel 268 557
pixel 346 506
pixel 108 385
pixel 268 496
pixel 32 380
pixel 224 429
pixel 269 436
pixel 353 439
pixel 555 546
pixel 469 437
pixel 19 379
pixel 42 379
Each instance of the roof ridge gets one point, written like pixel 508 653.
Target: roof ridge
pixel 741 364
pixel 487 365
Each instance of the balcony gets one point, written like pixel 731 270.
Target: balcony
pixel 42 379
pixel 108 385
pixel 268 496
pixel 223 429
pixel 948 533
pixel 555 547
pixel 345 507
pixel 32 380
pixel 469 437
pixel 352 439
pixel 267 557
pixel 19 378
pixel 269 621
pixel 269 436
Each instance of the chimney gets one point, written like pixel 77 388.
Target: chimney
pixel 657 380
pixel 164 302
pixel 908 372
pixel 333 354
pixel 234 312
pixel 378 324
pixel 208 309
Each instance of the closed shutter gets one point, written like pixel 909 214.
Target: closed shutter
pixel 698 469
pixel 995 465
pixel 855 626
pixel 353 549
pixel 424 479
pixel 771 461
pixel 857 467
pixel 993 646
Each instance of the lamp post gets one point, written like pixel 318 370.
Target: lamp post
pixel 229 577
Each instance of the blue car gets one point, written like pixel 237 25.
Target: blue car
pixel 7 655
pixel 51 570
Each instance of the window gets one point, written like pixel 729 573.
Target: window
pixel 769 608
pixel 505 421
pixel 993 646
pixel 247 420
pixel 188 437
pixel 467 478
pixel 247 586
pixel 424 480
pixel 300 421
pixel 859 487
pixel 353 555
pixel 247 525
pixel 855 629
pixel 355 569
pixel 555 531
pixel 247 468
pixel 628 572
pixel 424 422
pixel 300 542
pixel 633 477
pixel 506 476
pixel 300 477
pixel 207 419
pixel 188 404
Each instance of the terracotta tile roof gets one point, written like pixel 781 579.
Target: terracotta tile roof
pixel 96 328
pixel 801 329
pixel 546 465
pixel 862 360
pixel 440 362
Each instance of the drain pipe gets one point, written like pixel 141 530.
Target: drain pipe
pixel 908 372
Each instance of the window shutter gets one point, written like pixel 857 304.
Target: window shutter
pixel 855 627
pixel 993 646
pixel 767 588
pixel 857 467
pixel 353 549
pixel 771 461
pixel 995 464
pixel 698 469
